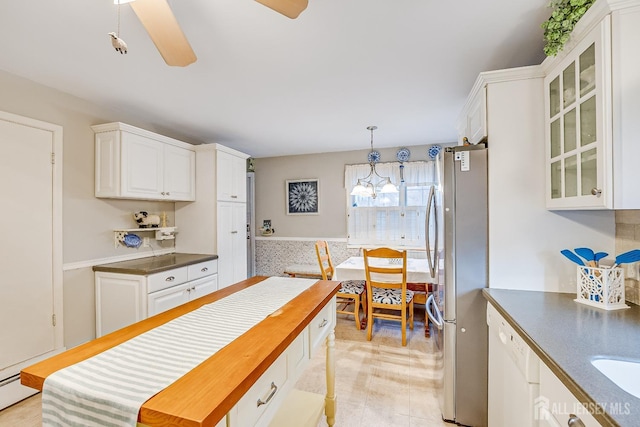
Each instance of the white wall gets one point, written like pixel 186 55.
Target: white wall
pixel 525 239
pixel 272 172
pixel 87 221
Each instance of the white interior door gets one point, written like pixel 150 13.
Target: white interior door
pixel 26 257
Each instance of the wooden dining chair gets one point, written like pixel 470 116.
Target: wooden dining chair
pixel 352 292
pixel 386 272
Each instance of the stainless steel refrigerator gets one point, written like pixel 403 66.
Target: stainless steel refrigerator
pixel 457 308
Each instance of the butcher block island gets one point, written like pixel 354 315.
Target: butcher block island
pixel 247 381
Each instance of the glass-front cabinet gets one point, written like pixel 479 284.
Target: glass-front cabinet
pixel 578 125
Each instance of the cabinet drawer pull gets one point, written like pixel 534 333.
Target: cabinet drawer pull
pixel 234 232
pixel 234 197
pixel 204 269
pixel 274 388
pixel 323 323
pixel 170 279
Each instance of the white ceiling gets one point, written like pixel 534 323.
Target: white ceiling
pixel 270 86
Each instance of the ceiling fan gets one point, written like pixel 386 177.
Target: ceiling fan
pixel 165 32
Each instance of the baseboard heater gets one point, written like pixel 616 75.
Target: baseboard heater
pixel 11 391
pixel 9 380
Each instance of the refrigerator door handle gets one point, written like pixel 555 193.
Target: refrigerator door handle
pixel 436 319
pixel 433 262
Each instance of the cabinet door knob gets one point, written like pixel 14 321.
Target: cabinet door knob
pixel 596 192
pixel 168 194
pixel 575 421
pixel 170 279
pixel 162 193
pixel 193 288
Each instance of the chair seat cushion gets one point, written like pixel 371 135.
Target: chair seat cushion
pixel 390 296
pixel 355 287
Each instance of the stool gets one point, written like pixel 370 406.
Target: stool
pixel 299 409
pixel 311 271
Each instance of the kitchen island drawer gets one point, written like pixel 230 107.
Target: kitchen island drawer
pixel 322 324
pixel 267 392
pixel 166 279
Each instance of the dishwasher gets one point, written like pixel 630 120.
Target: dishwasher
pixel 514 375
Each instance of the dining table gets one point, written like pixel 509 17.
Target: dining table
pixel 419 278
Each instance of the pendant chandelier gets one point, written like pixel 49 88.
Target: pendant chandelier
pixel 366 186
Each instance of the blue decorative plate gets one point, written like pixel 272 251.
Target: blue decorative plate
pixel 132 241
pixel 373 157
pixel 403 154
pixel 434 150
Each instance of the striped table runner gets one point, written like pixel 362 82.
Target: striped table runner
pixel 109 388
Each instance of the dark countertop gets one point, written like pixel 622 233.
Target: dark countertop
pixel 151 265
pixel 566 335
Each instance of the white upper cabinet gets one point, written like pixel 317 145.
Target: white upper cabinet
pixel 231 174
pixel 132 163
pixel 576 92
pixel 592 101
pixel 179 173
pixel 472 123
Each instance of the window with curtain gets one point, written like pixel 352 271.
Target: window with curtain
pixel 390 219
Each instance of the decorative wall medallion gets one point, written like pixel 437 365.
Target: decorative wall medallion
pixel 434 150
pixel 373 157
pixel 403 154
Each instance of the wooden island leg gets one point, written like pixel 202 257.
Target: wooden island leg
pixel 330 401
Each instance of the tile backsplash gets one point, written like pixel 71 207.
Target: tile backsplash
pixel 628 238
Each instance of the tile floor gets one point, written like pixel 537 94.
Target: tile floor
pixel 378 382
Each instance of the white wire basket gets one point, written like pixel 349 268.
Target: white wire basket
pixel 601 287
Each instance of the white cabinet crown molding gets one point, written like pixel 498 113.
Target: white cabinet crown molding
pixel 220 147
pixel 108 127
pixel 487 77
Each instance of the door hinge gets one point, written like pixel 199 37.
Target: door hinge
pixel 53 320
pixel 53 161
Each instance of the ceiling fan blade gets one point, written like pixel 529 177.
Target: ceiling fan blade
pixel 289 8
pixel 158 19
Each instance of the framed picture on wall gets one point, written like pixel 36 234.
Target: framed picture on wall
pixel 302 196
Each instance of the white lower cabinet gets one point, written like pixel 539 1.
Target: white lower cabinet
pixel 557 406
pixel 123 299
pixel 166 299
pixel 270 394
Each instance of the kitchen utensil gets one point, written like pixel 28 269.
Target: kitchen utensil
pixel 587 254
pixel 598 256
pixel 627 257
pixel 573 257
